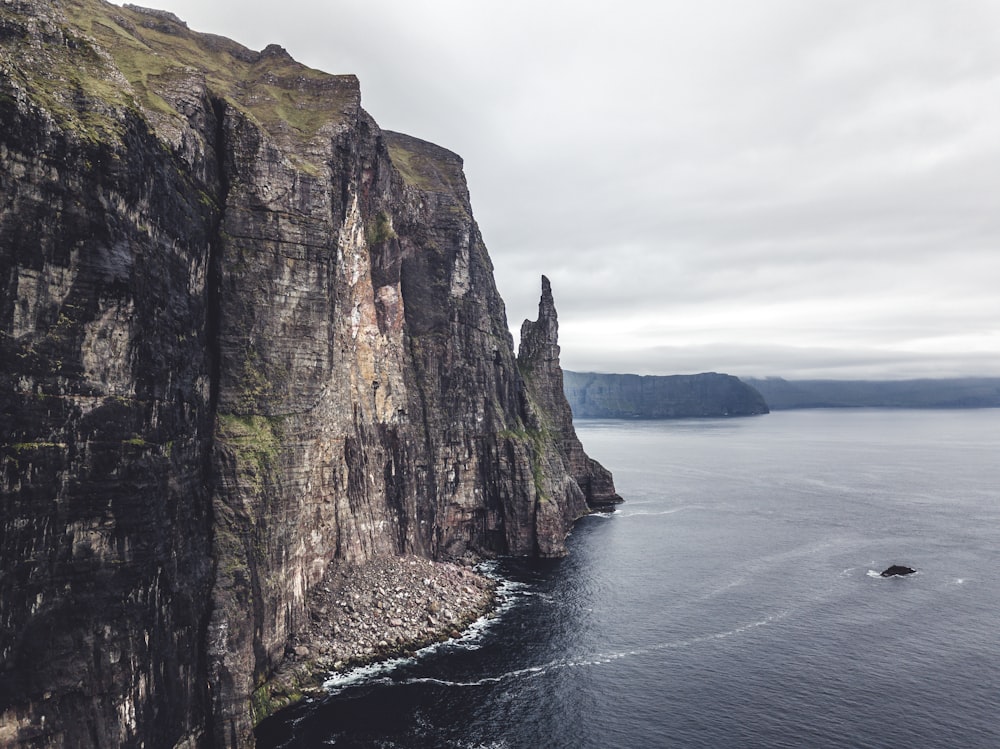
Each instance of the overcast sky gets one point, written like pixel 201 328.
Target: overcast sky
pixel 758 187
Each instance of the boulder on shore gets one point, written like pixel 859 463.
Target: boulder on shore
pixel 897 569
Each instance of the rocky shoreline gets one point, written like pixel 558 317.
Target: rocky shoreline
pixel 383 608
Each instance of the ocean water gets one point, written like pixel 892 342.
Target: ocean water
pixel 733 601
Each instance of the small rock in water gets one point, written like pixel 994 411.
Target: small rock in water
pixel 897 569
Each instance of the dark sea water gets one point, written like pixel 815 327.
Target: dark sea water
pixel 733 601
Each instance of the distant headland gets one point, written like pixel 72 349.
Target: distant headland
pixel 630 396
pixel 959 392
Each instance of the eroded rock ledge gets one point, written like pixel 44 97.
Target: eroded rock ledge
pixel 382 608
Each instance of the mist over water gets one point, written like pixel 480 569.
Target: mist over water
pixel 732 601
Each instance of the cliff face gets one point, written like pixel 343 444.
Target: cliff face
pixel 244 332
pixel 627 396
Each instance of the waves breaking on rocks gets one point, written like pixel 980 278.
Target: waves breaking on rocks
pixel 383 609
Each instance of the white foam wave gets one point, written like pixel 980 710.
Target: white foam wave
pixel 470 639
pixel 603 515
pixel 506 588
pixel 372 672
pixel 717 591
pixel 486 680
pixel 508 591
pixel 603 659
pixel 472 636
pixel 376 673
pixel 671 511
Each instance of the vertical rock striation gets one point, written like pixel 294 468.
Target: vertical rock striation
pixel 244 333
pixel 538 359
pixel 105 418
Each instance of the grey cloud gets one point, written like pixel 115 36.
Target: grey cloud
pixel 785 186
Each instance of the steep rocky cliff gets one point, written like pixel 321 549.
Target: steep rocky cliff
pixel 629 396
pixel 244 332
pixel 538 360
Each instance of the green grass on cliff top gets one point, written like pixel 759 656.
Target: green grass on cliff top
pixel 425 165
pixel 78 78
pixel 156 53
